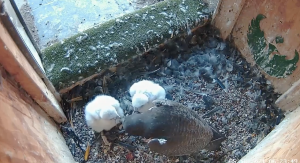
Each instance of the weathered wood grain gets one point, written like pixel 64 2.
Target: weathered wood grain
pixel 27 134
pixel 226 15
pixel 281 145
pixel 16 64
pixel 290 100
pixel 282 19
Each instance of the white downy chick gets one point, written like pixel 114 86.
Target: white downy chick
pixel 103 113
pixel 138 86
pixel 144 92
pixel 139 99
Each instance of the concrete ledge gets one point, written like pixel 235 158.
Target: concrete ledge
pixel 117 40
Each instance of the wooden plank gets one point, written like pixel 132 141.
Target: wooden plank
pixel 27 134
pixel 281 145
pixel 16 64
pixel 289 101
pixel 282 19
pixel 18 33
pixel 226 15
pixel 24 44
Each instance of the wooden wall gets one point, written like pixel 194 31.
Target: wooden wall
pixel 267 33
pixel 226 16
pixel 27 134
pixel 282 19
pixel 14 61
pixel 281 145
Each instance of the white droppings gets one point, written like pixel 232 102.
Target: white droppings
pixel 93 48
pixel 172 15
pixel 152 17
pixel 170 22
pixel 81 38
pixel 69 52
pixel 144 16
pixel 183 8
pixel 51 67
pixel 150 31
pixel 119 21
pixel 133 26
pixel 65 69
pixel 115 44
pixel 164 13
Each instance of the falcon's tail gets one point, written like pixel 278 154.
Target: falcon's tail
pixel 216 140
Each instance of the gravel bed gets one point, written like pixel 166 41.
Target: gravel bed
pixel 213 80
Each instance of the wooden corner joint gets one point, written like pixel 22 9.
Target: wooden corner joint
pixel 14 62
pixel 289 100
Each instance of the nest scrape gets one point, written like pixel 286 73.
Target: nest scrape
pixel 199 71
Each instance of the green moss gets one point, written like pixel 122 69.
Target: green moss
pixel 119 39
pixel 279 39
pixel 266 54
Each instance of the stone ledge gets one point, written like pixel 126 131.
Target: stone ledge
pixel 117 40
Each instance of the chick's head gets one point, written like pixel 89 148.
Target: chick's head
pixel 103 113
pixel 138 86
pixel 108 112
pixel 139 99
